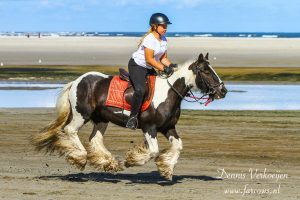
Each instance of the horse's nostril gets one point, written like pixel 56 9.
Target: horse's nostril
pixel 224 91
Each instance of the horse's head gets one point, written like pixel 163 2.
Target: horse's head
pixel 207 80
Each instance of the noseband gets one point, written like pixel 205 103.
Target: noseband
pixel 211 88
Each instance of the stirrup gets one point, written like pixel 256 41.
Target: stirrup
pixel 132 123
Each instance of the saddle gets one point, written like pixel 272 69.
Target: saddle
pixel 120 91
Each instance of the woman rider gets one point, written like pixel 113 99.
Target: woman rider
pixel 152 52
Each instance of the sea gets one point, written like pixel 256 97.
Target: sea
pixel 139 34
pixel 239 96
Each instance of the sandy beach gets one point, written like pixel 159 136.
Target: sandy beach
pixel 228 52
pixel 238 143
pixel 233 142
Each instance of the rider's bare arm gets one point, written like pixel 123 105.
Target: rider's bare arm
pixel 149 56
pixel 164 59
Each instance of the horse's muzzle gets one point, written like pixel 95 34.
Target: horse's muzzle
pixel 221 92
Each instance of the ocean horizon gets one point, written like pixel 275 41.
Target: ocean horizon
pixel 139 34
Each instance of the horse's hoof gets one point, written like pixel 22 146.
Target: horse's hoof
pixel 77 162
pixel 128 164
pixel 168 177
pixel 104 162
pixel 113 166
pixel 137 156
pixel 166 173
pixel 131 163
pixel 164 169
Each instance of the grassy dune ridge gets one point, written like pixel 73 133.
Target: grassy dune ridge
pixel 259 74
pixel 69 72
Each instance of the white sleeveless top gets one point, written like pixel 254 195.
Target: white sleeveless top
pixel 159 47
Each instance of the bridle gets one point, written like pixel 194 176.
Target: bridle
pixel 211 88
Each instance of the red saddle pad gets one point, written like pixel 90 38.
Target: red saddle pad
pixel 116 94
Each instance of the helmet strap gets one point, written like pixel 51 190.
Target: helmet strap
pixel 156 27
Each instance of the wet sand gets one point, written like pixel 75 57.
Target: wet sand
pixel 212 140
pixel 236 52
pixel 236 141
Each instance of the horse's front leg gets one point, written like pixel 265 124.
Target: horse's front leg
pixel 141 154
pixel 167 159
pixel 98 155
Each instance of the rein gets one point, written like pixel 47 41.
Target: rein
pixel 211 89
pixel 190 94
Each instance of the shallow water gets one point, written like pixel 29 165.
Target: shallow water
pixel 255 97
pixel 239 97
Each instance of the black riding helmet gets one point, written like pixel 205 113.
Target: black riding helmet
pixel 159 18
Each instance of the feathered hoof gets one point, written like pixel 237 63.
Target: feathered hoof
pixel 78 160
pixel 114 166
pixel 128 164
pixel 137 156
pixel 105 162
pixel 165 170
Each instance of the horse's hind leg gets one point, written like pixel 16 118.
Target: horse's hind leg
pixel 167 160
pixel 141 154
pixel 69 143
pixel 98 155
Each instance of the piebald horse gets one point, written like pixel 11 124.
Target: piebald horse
pixel 83 100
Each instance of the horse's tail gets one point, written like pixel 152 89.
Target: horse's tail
pixel 48 137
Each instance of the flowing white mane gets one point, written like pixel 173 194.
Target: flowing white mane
pixel 181 71
pixel 184 72
pixel 162 87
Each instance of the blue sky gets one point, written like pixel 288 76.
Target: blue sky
pixel 133 15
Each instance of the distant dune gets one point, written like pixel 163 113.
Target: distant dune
pixel 235 52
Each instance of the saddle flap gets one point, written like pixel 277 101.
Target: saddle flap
pixel 120 93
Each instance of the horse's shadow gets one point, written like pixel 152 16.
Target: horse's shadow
pixel 142 178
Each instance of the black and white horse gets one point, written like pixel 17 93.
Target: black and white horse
pixel 84 99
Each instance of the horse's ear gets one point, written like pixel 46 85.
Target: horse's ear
pixel 191 66
pixel 200 58
pixel 206 57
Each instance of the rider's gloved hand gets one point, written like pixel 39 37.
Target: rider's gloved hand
pixel 172 65
pixel 168 70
